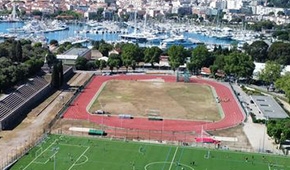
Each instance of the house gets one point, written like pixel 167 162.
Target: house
pixel 205 71
pixel 115 51
pixel 96 54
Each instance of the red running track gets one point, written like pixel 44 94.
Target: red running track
pixel 232 112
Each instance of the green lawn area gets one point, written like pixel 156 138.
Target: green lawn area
pixel 78 153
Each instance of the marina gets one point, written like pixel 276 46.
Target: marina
pixel 162 35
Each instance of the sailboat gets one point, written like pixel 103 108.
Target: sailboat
pixel 13 17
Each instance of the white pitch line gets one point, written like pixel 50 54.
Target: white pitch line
pixel 173 158
pixel 65 144
pixel 46 160
pixel 40 154
pixel 79 158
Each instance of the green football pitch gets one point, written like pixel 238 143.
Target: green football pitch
pixel 66 153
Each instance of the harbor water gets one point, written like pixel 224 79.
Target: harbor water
pixel 111 37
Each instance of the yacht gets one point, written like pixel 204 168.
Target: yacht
pixel 36 26
pixel 75 40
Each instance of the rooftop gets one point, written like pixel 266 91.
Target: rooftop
pixel 73 53
pixel 269 107
pixel 76 51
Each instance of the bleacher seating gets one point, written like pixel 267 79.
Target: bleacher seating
pixel 22 94
pixel 3 110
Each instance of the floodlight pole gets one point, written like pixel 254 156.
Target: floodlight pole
pixel 202 134
pixel 102 122
pixel 54 168
pixel 265 129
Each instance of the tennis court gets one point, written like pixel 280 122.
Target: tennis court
pixel 68 153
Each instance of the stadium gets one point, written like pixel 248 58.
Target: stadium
pixel 133 129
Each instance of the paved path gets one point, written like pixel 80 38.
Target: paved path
pixel 256 133
pixel 259 139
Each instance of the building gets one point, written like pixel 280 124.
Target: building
pixel 69 57
pixel 269 107
pixel 234 4
pixel 260 66
pixel 262 10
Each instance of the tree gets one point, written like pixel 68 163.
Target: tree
pixel 18 60
pixel 117 59
pixel 53 42
pixel 105 48
pixel 103 64
pixel 284 37
pixel 13 51
pixel 126 63
pixel 36 13
pixel 280 52
pixel 280 13
pixel 34 65
pixel 200 57
pixel 214 69
pixel 61 49
pixel 177 56
pixel 55 76
pixel 96 45
pixel 131 52
pixel 3 52
pixel 283 83
pixel 97 63
pixel 27 52
pixel 258 50
pixel 239 65
pixel 220 61
pixel 5 80
pixel 60 73
pixel 81 63
pixel 38 44
pixel 50 59
pixel 152 55
pixel 279 129
pixel 111 63
pixel 133 65
pixel 271 72
pixel 190 66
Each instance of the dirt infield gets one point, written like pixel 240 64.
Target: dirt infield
pixel 170 100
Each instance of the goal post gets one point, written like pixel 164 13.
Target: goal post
pixel 152 112
pixel 183 76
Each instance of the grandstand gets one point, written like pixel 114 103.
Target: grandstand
pixel 24 98
pixel 12 103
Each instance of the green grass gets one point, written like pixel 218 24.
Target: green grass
pixel 102 154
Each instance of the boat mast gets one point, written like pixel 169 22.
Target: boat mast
pixel 135 22
pixel 14 11
pixel 145 21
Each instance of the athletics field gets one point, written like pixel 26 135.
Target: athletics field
pixel 79 153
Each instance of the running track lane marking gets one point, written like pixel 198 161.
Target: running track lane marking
pixel 40 154
pixel 79 158
pixel 173 158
